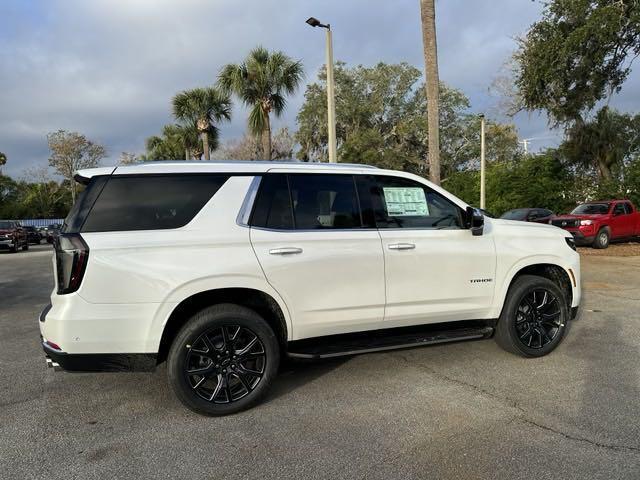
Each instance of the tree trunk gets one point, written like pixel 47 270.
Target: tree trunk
pixel 203 127
pixel 186 154
pixel 266 139
pixel 205 145
pixel 604 170
pixel 72 181
pixel 428 17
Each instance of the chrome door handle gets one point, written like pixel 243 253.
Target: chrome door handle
pixel 285 251
pixel 402 246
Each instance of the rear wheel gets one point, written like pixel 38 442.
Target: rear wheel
pixel 602 239
pixel 534 319
pixel 223 360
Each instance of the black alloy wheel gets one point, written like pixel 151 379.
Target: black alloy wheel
pixel 225 364
pixel 534 318
pixel 223 360
pixel 538 318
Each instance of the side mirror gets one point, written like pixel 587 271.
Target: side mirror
pixel 474 221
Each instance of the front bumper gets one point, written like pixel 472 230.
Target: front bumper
pixel 6 244
pixel 582 234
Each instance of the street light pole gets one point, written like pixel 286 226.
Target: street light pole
pixel 482 163
pixel 331 105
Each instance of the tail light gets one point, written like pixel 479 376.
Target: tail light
pixel 71 261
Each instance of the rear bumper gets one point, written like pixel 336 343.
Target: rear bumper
pixel 99 362
pixel 94 362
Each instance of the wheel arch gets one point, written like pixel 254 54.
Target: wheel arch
pixel 261 302
pixel 551 270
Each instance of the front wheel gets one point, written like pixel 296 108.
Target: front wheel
pixel 534 318
pixel 602 239
pixel 223 360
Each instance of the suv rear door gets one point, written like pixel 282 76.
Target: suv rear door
pixel 320 251
pixel 436 270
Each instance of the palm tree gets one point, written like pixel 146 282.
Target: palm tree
pixel 203 107
pixel 428 17
pixel 262 82
pixel 187 137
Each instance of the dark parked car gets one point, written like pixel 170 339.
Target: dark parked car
pixel 33 235
pixel 538 215
pixel 52 232
pixel 13 236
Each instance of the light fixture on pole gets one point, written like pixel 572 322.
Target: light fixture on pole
pixel 482 163
pixel 331 106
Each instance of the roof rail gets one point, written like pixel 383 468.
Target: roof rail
pixel 262 162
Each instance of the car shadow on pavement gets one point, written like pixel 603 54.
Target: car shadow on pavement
pixel 294 374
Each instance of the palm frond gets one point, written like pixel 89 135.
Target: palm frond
pixel 257 121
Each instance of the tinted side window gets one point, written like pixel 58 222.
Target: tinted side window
pixel 324 201
pixel 403 203
pixel 619 209
pixel 627 208
pixel 150 202
pixel 272 208
pixel 78 213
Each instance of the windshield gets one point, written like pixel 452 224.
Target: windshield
pixel 591 209
pixel 517 214
pixel 5 224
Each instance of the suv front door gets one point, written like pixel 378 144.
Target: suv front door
pixel 319 252
pixel 436 270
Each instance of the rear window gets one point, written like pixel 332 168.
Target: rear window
pixel 150 202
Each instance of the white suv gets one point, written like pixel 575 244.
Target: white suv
pixel 221 268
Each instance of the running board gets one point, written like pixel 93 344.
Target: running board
pixel 390 339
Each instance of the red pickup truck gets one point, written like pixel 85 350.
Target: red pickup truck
pixel 598 223
pixel 13 236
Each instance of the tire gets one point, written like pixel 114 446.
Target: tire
pixel 14 248
pixel 201 338
pixel 25 247
pixel 526 309
pixel 602 239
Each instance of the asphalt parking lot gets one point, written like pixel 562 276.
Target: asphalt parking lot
pixel 463 411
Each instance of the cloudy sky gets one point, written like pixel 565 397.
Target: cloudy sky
pixel 108 68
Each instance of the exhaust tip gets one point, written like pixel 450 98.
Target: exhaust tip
pixel 51 364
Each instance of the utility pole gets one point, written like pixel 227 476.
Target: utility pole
pixel 331 103
pixel 482 163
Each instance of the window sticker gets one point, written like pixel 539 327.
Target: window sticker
pixel 405 201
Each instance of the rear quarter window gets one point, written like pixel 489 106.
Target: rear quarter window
pixel 150 202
